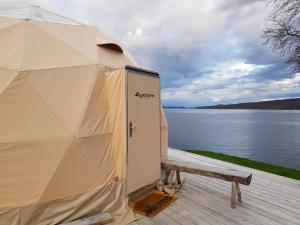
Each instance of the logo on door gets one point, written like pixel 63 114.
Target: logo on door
pixel 144 95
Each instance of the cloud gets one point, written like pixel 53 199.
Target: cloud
pixel 231 82
pixel 213 47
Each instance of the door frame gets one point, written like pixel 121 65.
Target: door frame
pixel 142 72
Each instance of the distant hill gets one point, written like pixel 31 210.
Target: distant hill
pixel 174 107
pixel 284 104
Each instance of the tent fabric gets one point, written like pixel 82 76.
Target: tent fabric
pixel 34 12
pixel 24 42
pixel 164 137
pixel 111 198
pixel 63 123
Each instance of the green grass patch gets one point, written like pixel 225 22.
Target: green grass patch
pixel 279 170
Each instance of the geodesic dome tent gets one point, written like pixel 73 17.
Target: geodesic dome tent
pixel 69 97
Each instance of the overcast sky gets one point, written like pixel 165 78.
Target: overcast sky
pixel 206 51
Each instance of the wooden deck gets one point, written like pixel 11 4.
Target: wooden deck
pixel 269 200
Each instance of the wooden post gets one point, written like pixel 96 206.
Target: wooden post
pixel 178 177
pixel 239 194
pixel 167 175
pixel 233 194
pixel 171 177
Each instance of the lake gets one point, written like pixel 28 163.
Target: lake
pixel 271 136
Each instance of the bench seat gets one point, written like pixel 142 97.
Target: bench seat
pixel 234 176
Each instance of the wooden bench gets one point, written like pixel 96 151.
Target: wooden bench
pixel 234 176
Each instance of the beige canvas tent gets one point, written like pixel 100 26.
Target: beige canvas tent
pixel 81 125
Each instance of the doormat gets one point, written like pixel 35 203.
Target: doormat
pixel 152 203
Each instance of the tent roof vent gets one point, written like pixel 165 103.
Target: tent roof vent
pixel 112 46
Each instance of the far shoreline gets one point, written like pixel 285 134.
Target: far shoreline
pixel 232 109
pixel 279 104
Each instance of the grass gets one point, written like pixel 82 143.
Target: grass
pixel 279 170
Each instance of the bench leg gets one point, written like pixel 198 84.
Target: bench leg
pixel 178 177
pixel 239 194
pixel 171 177
pixel 233 194
pixel 166 176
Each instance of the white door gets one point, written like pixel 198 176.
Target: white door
pixel 143 128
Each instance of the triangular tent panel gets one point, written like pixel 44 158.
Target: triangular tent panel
pixel 65 91
pixel 24 114
pixel 7 76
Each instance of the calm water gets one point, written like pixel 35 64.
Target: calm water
pixel 268 136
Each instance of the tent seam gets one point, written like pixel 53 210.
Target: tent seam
pixel 71 197
pixel 43 100
pixel 50 139
pixel 31 139
pixel 62 41
pixel 87 158
pixel 86 102
pixel 16 75
pixel 56 169
pixel 23 46
pixel 108 66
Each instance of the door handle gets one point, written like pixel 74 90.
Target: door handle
pixel 131 127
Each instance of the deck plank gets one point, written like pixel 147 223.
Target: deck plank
pixel 269 199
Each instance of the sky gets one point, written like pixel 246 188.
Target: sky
pixel 207 52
